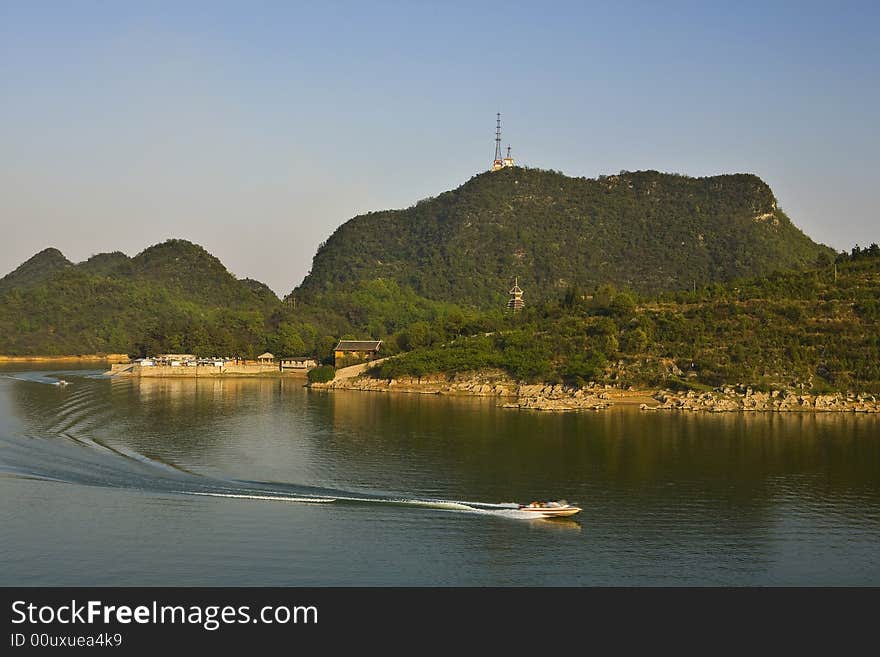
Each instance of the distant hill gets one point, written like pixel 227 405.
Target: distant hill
pixel 115 263
pixel 35 270
pixel 171 296
pixel 190 270
pixel 648 231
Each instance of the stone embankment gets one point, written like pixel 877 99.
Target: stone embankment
pixel 559 397
pixel 200 371
pixel 509 393
pixel 745 399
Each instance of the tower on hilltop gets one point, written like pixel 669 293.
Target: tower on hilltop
pixel 508 161
pixel 515 303
pixel 499 163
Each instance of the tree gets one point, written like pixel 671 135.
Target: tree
pixel 287 342
pixel 623 305
pixel 635 341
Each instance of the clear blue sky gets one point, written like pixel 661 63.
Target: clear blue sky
pixel 256 128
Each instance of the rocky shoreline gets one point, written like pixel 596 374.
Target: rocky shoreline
pixel 560 397
pixel 510 393
pixel 741 398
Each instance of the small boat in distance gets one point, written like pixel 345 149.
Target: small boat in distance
pixel 558 509
pixel 61 382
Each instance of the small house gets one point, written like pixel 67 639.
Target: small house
pixel 357 349
pixel 266 359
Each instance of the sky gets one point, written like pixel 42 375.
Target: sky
pixel 256 128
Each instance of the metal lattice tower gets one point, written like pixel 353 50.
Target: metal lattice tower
pixel 498 139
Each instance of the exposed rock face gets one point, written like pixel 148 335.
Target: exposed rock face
pixel 728 399
pixel 558 398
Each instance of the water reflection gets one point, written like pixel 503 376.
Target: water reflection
pixel 736 498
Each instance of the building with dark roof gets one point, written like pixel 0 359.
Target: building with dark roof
pixel 357 349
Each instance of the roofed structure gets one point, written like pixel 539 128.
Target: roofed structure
pixel 515 303
pixel 349 351
pixel 358 345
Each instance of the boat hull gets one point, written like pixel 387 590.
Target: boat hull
pixel 563 512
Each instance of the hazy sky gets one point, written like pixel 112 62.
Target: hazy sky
pixel 256 128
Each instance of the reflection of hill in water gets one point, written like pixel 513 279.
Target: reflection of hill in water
pixel 219 423
pixel 627 446
pixel 636 474
pixel 730 470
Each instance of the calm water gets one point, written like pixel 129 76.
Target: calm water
pixel 203 483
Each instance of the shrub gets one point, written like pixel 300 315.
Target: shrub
pixel 322 374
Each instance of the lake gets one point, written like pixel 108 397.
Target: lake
pixel 228 482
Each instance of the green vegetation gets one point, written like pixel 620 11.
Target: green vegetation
pixel 647 231
pixel 322 374
pixel 816 329
pixel 172 297
pixel 608 266
pixel 35 270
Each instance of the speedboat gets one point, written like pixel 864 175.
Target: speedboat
pixel 61 382
pixel 559 509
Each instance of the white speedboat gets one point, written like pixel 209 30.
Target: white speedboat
pixel 560 509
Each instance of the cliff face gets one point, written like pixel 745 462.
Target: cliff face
pixel 646 230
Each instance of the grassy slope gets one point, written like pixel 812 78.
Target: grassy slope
pixel 797 328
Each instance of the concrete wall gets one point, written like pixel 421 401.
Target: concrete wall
pixel 199 370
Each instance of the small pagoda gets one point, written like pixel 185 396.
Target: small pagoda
pixel 515 303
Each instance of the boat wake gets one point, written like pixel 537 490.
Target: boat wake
pixel 89 462
pixel 63 450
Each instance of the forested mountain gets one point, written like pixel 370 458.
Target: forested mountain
pixel 636 278
pixel 646 230
pixel 35 270
pixel 172 296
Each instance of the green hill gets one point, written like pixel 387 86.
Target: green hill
pixel 35 270
pixel 106 264
pixel 172 296
pixel 432 280
pixel 188 269
pixel 816 329
pixel 646 230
